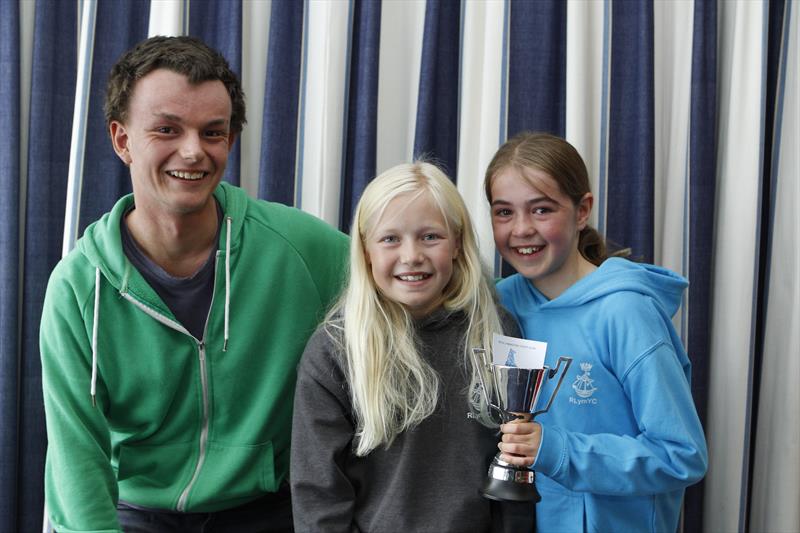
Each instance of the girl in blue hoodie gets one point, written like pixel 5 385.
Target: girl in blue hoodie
pixel 622 439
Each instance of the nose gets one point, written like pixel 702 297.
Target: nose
pixel 410 253
pixel 522 226
pixel 191 149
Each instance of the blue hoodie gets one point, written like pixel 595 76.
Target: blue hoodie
pixel 622 439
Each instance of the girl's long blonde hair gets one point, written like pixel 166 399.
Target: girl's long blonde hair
pixel 392 387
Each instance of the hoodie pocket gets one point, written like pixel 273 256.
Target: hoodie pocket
pixel 237 472
pixel 146 472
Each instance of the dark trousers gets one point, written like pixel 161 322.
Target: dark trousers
pixel 269 514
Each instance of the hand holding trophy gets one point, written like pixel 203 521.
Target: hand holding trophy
pixel 514 395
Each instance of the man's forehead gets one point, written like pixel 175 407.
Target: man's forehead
pixel 164 72
pixel 164 91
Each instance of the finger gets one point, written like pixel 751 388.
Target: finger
pixel 519 428
pixel 524 438
pixel 517 460
pixel 519 449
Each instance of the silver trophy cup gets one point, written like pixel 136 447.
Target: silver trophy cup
pixel 515 393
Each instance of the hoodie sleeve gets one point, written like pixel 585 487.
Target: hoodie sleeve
pixel 323 249
pixel 667 450
pixel 323 497
pixel 80 485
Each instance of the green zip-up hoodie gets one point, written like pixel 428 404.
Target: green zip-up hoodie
pixel 179 423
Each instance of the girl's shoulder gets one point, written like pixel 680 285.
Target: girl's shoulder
pixel 323 352
pixel 516 291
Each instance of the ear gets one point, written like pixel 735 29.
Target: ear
pixel 119 139
pixel 584 209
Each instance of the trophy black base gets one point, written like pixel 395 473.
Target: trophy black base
pixel 506 483
pixel 508 491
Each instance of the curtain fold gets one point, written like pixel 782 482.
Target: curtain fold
pixel 399 57
pixel 482 117
pixel 586 91
pixel 52 97
pixel 362 105
pixel 775 490
pixel 437 108
pixel 740 77
pixel 537 64
pixel 700 227
pixel 105 177
pixel 630 194
pixel 323 101
pixel 9 264
pixel 281 102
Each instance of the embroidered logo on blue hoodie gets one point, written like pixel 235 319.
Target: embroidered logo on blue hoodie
pixel 584 387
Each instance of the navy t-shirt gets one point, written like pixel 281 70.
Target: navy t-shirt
pixel 188 298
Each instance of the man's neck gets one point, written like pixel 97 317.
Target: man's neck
pixel 180 244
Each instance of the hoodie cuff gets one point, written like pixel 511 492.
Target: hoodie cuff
pixel 552 451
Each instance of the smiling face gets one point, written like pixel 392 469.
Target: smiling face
pixel 536 228
pixel 176 141
pixel 410 252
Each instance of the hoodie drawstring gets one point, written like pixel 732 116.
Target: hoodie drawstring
pixel 93 388
pixel 227 281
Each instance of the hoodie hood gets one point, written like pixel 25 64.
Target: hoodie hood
pixel 102 246
pixel 101 243
pixel 617 275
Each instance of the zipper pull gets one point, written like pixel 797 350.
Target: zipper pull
pixel 202 347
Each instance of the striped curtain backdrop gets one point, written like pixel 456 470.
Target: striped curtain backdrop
pixel 686 113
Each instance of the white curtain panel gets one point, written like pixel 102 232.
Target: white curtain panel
pixel 398 81
pixel 776 473
pixel 323 108
pixel 588 34
pixel 741 59
pixel 481 127
pixel 255 46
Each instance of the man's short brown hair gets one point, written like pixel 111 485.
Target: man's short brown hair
pixel 184 55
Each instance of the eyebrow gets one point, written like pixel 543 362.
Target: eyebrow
pixel 532 201
pixel 176 118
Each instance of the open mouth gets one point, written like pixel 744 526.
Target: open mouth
pixel 187 176
pixel 413 277
pixel 528 250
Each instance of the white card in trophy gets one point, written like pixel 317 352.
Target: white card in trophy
pixel 522 353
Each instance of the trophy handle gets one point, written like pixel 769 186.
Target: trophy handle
pixel 551 373
pixel 479 359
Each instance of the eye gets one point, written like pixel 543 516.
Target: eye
pixel 166 130
pixel 542 210
pixel 389 239
pixel 216 133
pixel 503 212
pixel 431 237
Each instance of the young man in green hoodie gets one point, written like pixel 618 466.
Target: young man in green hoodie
pixel 170 335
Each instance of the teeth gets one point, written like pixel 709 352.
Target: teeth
pixel 529 250
pixel 186 175
pixel 418 277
